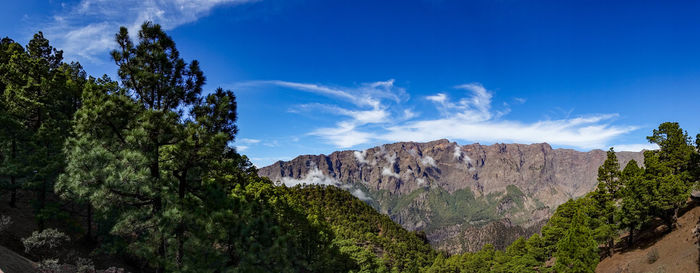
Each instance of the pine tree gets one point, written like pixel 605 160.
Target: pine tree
pixel 668 169
pixel 153 154
pixel 577 251
pixel 124 155
pixel 15 134
pixel 557 225
pixel 40 95
pixel 636 199
pixel 604 200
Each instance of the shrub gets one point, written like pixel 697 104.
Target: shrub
pixel 5 222
pixel 652 256
pixel 85 265
pixel 49 266
pixel 44 243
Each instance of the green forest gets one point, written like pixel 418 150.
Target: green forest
pixel 139 172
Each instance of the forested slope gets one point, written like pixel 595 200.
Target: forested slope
pixel 140 173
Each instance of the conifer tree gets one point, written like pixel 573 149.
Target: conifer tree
pixel 636 199
pixel 604 200
pixel 40 95
pixel 577 251
pixel 668 170
pixel 557 225
pixel 128 137
pixel 13 167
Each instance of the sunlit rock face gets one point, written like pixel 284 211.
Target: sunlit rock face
pixel 462 196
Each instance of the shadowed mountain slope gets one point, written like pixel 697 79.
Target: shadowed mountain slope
pixel 462 196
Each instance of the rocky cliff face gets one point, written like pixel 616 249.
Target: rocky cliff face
pixel 462 196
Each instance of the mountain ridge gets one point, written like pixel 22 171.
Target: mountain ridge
pixel 447 189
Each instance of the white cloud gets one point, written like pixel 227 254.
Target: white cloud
pixel 409 114
pixel 475 107
pixel 390 158
pixel 249 141
pixel 458 152
pixel 86 31
pixel 361 157
pixel 579 132
pixel 635 147
pixel 520 100
pixel 317 177
pixel 314 176
pixel 344 136
pixel 273 143
pixel 428 161
pixel 365 95
pixel 242 148
pixel 369 99
pixel 387 171
pixel 360 195
pixel 438 98
pixel 377 114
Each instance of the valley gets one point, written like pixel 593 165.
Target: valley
pixel 462 197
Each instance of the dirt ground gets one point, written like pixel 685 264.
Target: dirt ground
pixel 677 251
pixel 11 262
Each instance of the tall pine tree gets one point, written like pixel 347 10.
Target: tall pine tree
pixel 577 251
pixel 668 169
pixel 605 200
pixel 636 199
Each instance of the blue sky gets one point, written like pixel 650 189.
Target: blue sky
pixel 319 76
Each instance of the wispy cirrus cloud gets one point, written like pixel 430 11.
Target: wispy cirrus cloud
pixel 85 31
pixel 635 147
pixel 376 116
pixel 364 95
pixel 370 102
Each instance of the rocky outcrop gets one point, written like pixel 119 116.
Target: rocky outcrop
pixel 447 189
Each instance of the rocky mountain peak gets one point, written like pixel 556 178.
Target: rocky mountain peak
pixel 445 188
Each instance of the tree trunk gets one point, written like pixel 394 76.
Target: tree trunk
pixel 630 238
pixel 89 222
pixel 157 207
pixel 13 193
pixel 158 204
pixel 611 241
pixel 674 220
pixel 180 231
pixel 42 204
pixel 670 219
pixel 13 181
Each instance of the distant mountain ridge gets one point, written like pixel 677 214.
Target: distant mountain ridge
pixel 462 196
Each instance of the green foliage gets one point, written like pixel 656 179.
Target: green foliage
pixel 150 154
pixel 605 198
pixel 354 221
pixel 458 207
pixel 634 209
pixel 516 258
pixel 45 244
pixel 669 170
pixel 169 182
pixel 39 94
pixel 262 232
pixel 557 225
pixel 536 248
pixel 577 251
